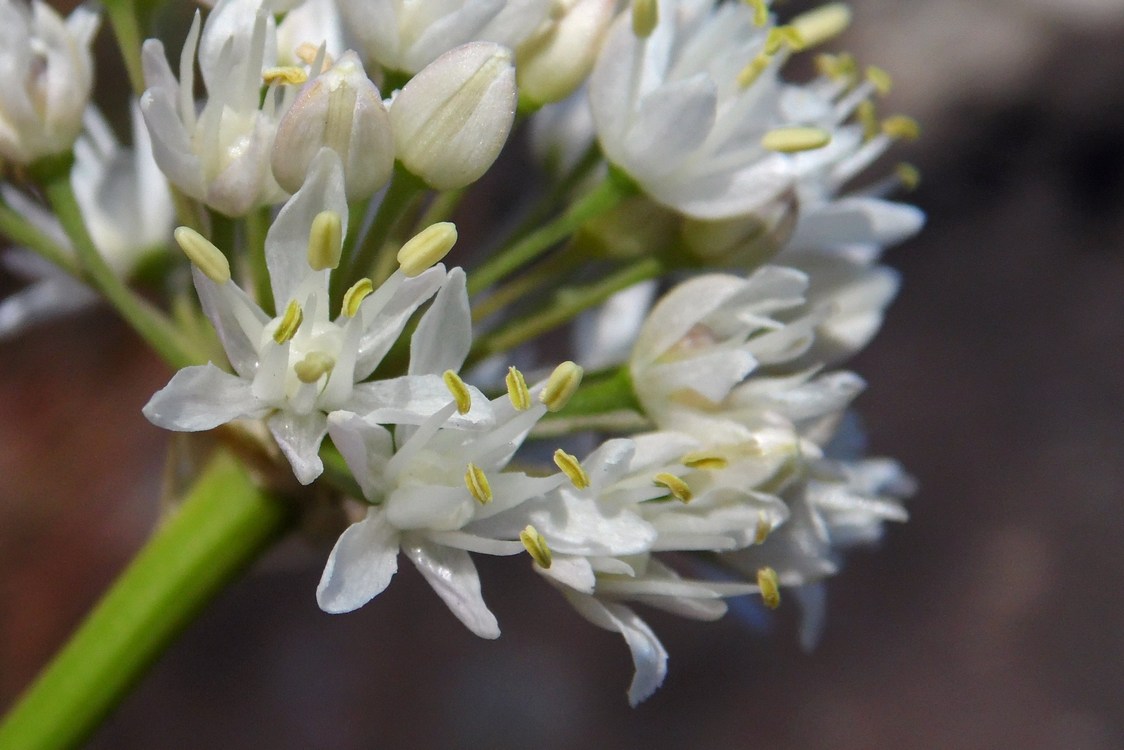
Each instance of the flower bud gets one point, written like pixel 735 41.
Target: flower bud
pixel 48 73
pixel 342 110
pixel 554 62
pixel 452 118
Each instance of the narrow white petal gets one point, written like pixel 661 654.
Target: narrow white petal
pixel 360 566
pixel 200 398
pixel 444 335
pixel 648 654
pixel 453 576
pixel 299 437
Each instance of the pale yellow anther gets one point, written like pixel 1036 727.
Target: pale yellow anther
pixel 460 391
pixel 290 322
pixel 751 72
pixel 287 75
pixel 676 486
pixel 517 389
pixel 705 461
pixel 903 127
pixel 645 16
pixel 840 67
pixel 354 296
pixel 427 247
pixel 314 366
pixel 823 23
pixel 780 37
pixel 908 175
pixel 477 483
pixel 572 468
pixel 536 546
pixel 796 138
pixel 760 12
pixel 770 589
pixel 867 115
pixel 764 528
pixel 560 386
pixel 325 241
pixel 306 52
pixel 880 79
pixel 203 255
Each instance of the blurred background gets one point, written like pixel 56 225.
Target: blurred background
pixel 992 619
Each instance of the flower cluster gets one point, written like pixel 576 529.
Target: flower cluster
pixel 700 231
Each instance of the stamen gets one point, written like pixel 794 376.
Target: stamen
pixel 760 12
pixel 287 75
pixel 880 78
pixel 459 390
pixel 290 322
pixel 477 484
pixel 325 241
pixel 761 533
pixel 908 175
pixel 306 52
pixel 536 546
pixel 203 254
pixel 676 486
pixel 753 69
pixel 868 118
pixel 793 139
pixel 314 366
pixel 645 16
pixel 840 67
pixel 705 461
pixel 821 24
pixel 902 127
pixel 354 296
pixel 784 36
pixel 427 247
pixel 770 589
pixel 572 468
pixel 560 386
pixel 517 389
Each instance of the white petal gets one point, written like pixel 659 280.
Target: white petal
pixel 453 576
pixel 199 398
pixel 444 335
pixel 648 654
pixel 410 399
pixel 360 566
pixel 671 123
pixel 365 447
pixel 299 437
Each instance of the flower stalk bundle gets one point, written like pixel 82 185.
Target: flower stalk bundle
pixel 704 231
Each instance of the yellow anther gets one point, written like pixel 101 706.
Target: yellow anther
pixel 203 255
pixel 761 533
pixel 354 296
pixel 314 366
pixel 784 36
pixel 867 115
pixel 517 389
pixel 705 461
pixel 760 12
pixel 880 79
pixel 560 386
pixel 306 52
pixel 477 483
pixel 427 247
pixel 840 67
pixel 770 589
pixel 572 468
pixel 901 126
pixel 290 322
pixel 796 138
pixel 287 75
pixel 755 67
pixel 645 16
pixel 325 241
pixel 536 546
pixel 908 175
pixel 676 486
pixel 460 391
pixel 819 25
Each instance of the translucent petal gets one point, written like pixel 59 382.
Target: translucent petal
pixel 360 566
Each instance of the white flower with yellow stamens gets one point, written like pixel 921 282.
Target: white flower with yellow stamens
pixel 301 365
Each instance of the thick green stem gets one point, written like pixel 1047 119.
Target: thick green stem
pixel 599 200
pixel 545 275
pixel 224 523
pixel 126 27
pixel 565 304
pixel 152 325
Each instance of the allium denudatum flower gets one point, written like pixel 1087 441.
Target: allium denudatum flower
pixel 707 229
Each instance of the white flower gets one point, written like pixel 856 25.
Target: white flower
pixel 441 494
pixel 308 26
pixel 220 155
pixel 301 365
pixel 127 208
pixel 452 119
pixel 556 59
pixel 48 74
pixel 407 35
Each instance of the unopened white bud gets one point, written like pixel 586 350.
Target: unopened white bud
pixel 343 110
pixel 48 73
pixel 452 118
pixel 554 62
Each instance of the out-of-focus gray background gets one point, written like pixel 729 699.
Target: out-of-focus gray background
pixel 992 619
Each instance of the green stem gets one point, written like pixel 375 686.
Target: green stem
pixel 566 303
pixel 22 232
pixel 442 208
pixel 152 325
pixel 545 275
pixel 257 227
pixel 224 523
pixel 404 188
pixel 123 16
pixel 609 193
